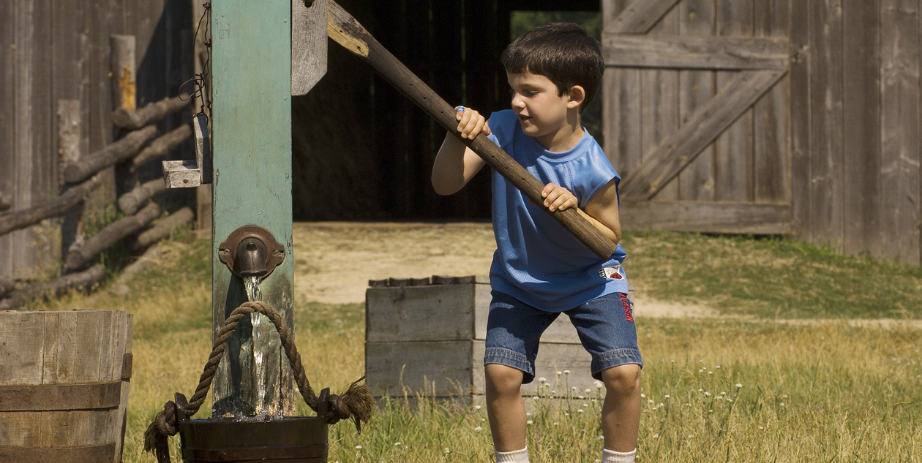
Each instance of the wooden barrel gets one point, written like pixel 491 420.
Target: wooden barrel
pixel 64 385
pixel 287 440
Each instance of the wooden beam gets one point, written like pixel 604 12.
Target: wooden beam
pixel 700 129
pixel 707 217
pixel 149 114
pixel 108 156
pixel 695 52
pixel 162 228
pixel 55 288
pixel 639 17
pixel 21 219
pixel 124 74
pixel 5 203
pixel 78 256
pixel 130 202
pixel 161 146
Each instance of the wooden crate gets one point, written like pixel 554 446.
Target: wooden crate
pixel 427 336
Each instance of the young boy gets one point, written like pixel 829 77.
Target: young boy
pixel 539 270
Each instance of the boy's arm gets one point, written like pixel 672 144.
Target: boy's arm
pixel 601 212
pixel 455 164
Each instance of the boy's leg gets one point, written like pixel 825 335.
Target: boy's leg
pixel 505 407
pixel 606 328
pixel 513 334
pixel 621 409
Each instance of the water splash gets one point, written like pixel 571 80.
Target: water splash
pixel 251 284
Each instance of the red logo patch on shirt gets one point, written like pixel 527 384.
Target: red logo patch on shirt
pixel 613 272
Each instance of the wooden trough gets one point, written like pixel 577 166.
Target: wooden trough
pixel 64 385
pixel 426 336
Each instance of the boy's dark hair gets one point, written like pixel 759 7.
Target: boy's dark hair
pixel 562 52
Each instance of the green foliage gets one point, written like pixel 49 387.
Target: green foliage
pixel 524 21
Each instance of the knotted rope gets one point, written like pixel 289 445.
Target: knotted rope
pixel 355 403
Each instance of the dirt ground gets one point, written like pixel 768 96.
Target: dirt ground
pixel 335 260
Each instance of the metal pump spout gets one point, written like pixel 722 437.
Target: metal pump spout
pixel 251 251
pixel 251 258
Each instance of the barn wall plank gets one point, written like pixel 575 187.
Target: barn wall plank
pixel 28 53
pixel 733 163
pixel 706 52
pixel 861 200
pixel 99 99
pixel 7 114
pixel 620 106
pixel 802 57
pixel 69 76
pixel 659 102
pixel 680 149
pixel 37 255
pixel 901 140
pixel 634 17
pixel 696 88
pixel 826 100
pixel 708 217
pixel 771 128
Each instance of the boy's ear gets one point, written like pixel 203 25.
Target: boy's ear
pixel 577 96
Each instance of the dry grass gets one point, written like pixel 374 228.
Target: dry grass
pixel 714 390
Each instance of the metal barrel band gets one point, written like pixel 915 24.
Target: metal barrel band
pixel 89 396
pixel 81 454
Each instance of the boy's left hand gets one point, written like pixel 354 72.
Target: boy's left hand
pixel 557 197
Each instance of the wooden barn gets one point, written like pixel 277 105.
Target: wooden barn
pixel 778 117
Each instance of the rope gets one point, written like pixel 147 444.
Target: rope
pixel 355 403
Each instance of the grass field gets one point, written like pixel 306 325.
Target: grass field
pixel 784 374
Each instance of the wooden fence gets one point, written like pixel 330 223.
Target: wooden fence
pixel 83 176
pixel 63 70
pixel 65 65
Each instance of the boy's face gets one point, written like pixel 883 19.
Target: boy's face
pixel 543 113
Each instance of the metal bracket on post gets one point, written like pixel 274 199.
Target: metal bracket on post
pixel 190 174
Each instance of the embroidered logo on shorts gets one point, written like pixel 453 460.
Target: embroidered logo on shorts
pixel 628 307
pixel 614 272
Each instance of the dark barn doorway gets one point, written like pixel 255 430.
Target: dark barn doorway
pixel 362 151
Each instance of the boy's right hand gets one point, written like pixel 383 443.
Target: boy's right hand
pixel 471 123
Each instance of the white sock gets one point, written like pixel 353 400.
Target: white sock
pixel 518 456
pixel 611 456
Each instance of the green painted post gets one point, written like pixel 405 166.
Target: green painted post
pixel 251 63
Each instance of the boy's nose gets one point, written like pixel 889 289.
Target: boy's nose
pixel 517 101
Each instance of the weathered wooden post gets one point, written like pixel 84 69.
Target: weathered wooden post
pixel 253 78
pixel 251 62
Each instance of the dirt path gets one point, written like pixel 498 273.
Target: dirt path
pixel 335 260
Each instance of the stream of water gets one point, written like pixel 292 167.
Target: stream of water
pixel 251 284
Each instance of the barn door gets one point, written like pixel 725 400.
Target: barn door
pixel 697 113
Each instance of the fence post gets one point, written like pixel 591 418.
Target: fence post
pixel 69 151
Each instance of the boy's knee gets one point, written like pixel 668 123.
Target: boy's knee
pixel 503 378
pixel 622 379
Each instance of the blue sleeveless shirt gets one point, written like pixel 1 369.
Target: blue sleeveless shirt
pixel 538 261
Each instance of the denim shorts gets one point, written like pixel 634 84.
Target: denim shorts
pixel 605 326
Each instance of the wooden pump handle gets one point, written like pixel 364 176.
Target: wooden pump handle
pixel 346 31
